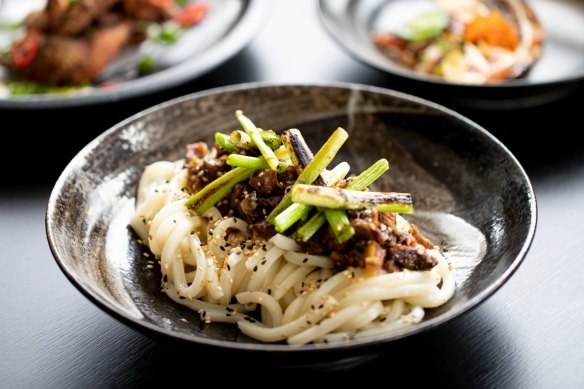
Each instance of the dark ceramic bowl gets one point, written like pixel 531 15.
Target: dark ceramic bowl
pixel 558 72
pixel 472 197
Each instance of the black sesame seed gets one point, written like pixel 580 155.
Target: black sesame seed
pixel 255 268
pixel 264 262
pixel 174 221
pixel 211 233
pixel 182 297
pixel 192 232
pixel 228 267
pixel 228 309
pixel 270 292
pixel 222 248
pixel 321 306
pixel 305 260
pixel 227 314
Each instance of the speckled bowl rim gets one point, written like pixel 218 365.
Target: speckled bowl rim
pixel 279 348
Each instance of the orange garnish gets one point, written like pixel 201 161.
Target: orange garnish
pixel 192 14
pixel 492 29
pixel 161 3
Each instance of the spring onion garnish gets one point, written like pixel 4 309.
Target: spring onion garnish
pixel 256 163
pixel 311 172
pixel 224 141
pixel 340 224
pixel 342 229
pixel 242 140
pixel 297 211
pixel 336 198
pixel 300 153
pixel 256 136
pixel 298 150
pixel 311 227
pixel 271 139
pixel 216 190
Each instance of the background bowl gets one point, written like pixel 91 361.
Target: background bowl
pixel 471 196
pixel 558 72
pixel 229 26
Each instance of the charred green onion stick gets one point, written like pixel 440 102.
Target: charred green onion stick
pixel 256 136
pixel 247 162
pixel 225 142
pixel 207 197
pixel 242 140
pixel 336 198
pixel 297 211
pixel 337 218
pixel 311 172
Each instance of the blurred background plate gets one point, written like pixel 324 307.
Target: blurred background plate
pixel 559 71
pixel 227 28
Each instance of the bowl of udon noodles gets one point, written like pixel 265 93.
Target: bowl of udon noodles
pixel 291 219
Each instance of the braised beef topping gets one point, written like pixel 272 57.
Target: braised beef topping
pixel 377 243
pixel 203 165
pixel 262 230
pixel 409 257
pixel 264 181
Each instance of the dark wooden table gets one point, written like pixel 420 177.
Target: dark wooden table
pixel 529 334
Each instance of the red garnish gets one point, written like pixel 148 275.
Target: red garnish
pixel 192 14
pixel 109 84
pixel 25 50
pixel 161 3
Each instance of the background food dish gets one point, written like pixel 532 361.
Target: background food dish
pixel 225 31
pixel 433 152
pixel 557 72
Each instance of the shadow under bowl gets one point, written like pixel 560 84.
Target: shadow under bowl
pixel 471 195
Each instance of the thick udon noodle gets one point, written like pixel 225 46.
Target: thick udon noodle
pixel 301 297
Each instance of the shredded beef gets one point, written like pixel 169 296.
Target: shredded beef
pixel 262 229
pixel 409 257
pixel 264 181
pixel 203 165
pixel 377 243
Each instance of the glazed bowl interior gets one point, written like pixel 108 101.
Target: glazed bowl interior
pixel 471 196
